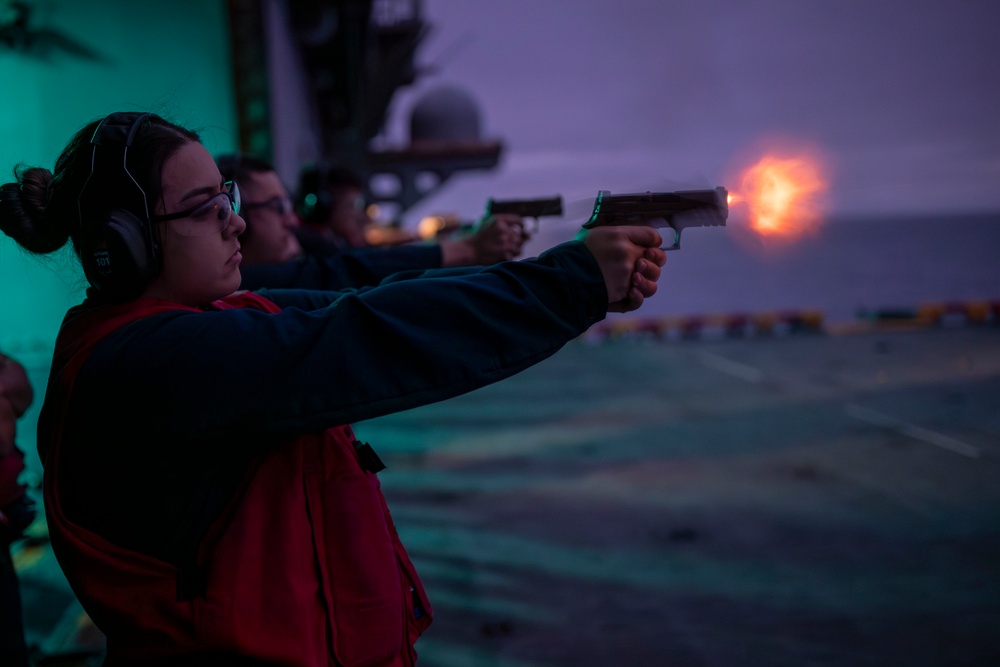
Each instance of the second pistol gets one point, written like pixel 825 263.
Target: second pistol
pixel 529 209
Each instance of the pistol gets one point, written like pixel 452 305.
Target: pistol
pixel 676 210
pixel 530 209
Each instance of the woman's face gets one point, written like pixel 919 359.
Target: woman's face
pixel 200 252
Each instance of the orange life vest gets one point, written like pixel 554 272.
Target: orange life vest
pixel 304 568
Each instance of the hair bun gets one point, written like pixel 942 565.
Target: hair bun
pixel 23 209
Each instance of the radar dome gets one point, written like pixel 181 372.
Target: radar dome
pixel 445 113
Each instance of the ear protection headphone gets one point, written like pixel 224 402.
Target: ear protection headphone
pixel 118 249
pixel 312 198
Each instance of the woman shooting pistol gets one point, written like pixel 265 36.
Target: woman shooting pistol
pixel 205 495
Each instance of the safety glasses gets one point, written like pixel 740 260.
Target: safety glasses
pixel 198 220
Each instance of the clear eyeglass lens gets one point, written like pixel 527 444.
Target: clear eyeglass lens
pixel 236 199
pixel 218 209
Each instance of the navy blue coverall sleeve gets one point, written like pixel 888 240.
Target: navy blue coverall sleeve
pixel 332 358
pixel 184 400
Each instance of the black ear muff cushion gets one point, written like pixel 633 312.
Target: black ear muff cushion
pixel 124 259
pixel 129 242
pixel 312 182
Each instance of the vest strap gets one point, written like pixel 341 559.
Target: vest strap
pixel 367 457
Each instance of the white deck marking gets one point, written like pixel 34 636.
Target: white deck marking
pixel 729 367
pixel 913 431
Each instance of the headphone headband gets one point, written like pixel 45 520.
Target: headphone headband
pixel 119 128
pixel 119 252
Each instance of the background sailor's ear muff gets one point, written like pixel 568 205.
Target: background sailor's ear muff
pixel 118 249
pixel 312 197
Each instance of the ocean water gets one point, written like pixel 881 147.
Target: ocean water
pixel 849 265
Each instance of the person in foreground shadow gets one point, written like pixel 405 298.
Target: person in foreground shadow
pixel 205 494
pixel 17 510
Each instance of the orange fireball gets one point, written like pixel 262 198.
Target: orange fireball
pixel 783 195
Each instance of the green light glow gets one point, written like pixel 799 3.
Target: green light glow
pixel 138 70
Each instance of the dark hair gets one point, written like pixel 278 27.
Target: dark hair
pixel 240 167
pixel 326 175
pixel 41 209
pixel 314 195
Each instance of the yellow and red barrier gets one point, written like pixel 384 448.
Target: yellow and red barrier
pixel 791 322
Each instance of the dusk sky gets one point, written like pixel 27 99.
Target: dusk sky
pixel 900 96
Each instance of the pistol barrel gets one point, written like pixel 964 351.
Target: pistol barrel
pixel 526 208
